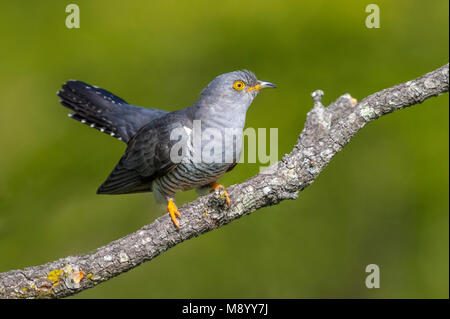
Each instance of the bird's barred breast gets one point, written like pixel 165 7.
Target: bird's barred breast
pixel 189 173
pixel 186 176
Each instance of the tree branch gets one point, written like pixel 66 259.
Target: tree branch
pixel 326 131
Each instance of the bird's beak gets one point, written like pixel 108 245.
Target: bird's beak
pixel 264 84
pixel 261 85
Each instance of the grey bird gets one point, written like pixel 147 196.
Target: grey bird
pixel 148 164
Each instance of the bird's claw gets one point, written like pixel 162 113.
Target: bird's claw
pixel 173 211
pixel 215 186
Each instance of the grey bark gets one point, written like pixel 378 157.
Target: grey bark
pixel 326 131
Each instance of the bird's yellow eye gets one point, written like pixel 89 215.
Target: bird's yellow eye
pixel 239 85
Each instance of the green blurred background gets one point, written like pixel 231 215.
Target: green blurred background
pixel 383 199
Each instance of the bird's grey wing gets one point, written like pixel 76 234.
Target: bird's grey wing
pixel 105 111
pixel 146 158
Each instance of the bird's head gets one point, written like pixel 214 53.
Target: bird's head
pixel 235 90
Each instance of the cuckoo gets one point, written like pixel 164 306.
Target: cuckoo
pixel 162 155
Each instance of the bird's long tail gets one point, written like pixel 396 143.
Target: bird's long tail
pixel 105 111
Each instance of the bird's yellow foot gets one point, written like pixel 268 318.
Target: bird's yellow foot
pixel 173 210
pixel 215 186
